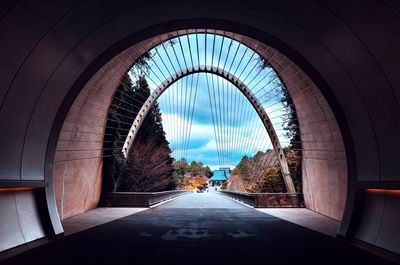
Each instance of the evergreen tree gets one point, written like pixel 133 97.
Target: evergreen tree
pixel 119 121
pixel 149 148
pixel 293 152
pixel 149 163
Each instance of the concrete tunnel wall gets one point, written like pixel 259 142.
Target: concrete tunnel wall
pixel 77 168
pixel 78 159
pixel 349 49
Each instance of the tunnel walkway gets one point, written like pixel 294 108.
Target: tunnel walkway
pixel 197 229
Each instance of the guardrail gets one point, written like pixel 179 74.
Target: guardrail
pixel 138 199
pixel 268 200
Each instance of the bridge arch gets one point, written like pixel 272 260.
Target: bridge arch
pixel 150 101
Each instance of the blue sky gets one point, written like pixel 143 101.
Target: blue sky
pixel 237 129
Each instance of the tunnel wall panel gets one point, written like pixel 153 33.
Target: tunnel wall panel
pixel 20 221
pixel 379 220
pixel 62 77
pixel 18 37
pixel 380 75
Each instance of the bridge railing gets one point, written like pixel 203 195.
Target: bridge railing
pixel 268 200
pixel 138 199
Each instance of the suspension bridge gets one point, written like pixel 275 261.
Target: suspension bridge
pixel 245 98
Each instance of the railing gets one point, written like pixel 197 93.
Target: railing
pixel 266 200
pixel 138 199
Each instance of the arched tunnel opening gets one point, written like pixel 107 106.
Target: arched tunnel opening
pixel 316 90
pixel 81 150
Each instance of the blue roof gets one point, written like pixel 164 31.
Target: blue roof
pixel 227 171
pixel 221 175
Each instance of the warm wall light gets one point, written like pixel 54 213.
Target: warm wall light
pixel 14 189
pixel 383 190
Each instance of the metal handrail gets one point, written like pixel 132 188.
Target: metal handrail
pixel 138 199
pixel 268 200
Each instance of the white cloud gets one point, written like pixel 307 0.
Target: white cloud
pixel 234 142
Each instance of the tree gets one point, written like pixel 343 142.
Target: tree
pixel 195 168
pixel 149 148
pixel 148 169
pixel 293 152
pixel 224 185
pixel 207 172
pixel 180 166
pixel 241 168
pixel 252 171
pixel 260 173
pixel 119 119
pixel 189 176
pixel 149 162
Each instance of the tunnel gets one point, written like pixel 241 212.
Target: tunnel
pixel 63 61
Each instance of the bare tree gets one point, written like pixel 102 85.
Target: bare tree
pixel 149 168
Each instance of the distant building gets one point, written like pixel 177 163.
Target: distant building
pixel 220 176
pixel 227 171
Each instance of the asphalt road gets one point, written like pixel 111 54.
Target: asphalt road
pixel 202 228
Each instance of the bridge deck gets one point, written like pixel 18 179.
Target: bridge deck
pixel 197 229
